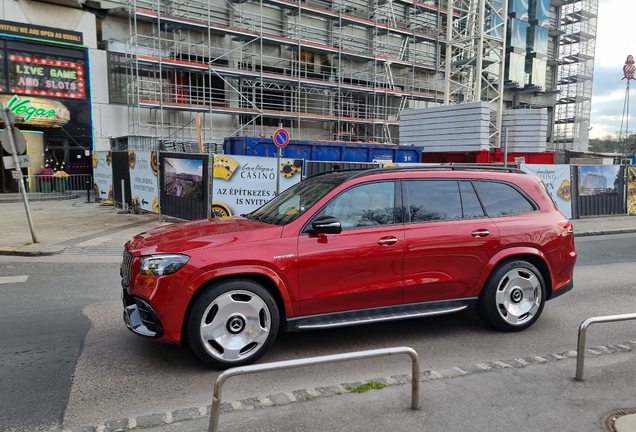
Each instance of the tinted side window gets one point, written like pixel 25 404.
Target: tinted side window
pixel 368 205
pixel 433 200
pixel 470 202
pixel 500 199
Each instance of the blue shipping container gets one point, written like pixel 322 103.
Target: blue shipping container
pixel 322 150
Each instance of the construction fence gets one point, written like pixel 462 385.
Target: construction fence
pixel 198 185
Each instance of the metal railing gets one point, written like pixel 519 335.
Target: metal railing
pixel 580 352
pixel 288 364
pixel 49 187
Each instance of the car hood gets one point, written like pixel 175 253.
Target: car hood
pixel 198 234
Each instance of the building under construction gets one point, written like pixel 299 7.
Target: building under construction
pixel 576 71
pixel 343 69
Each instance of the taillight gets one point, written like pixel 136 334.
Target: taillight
pixel 566 225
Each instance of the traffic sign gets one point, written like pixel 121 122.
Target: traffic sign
pixel 18 140
pixel 281 137
pixel 24 160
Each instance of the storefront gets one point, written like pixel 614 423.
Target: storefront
pixel 44 81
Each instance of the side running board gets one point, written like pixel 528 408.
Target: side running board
pixel 385 313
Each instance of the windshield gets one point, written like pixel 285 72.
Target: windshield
pixel 289 205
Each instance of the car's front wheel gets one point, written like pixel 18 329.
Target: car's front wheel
pixel 513 297
pixel 232 323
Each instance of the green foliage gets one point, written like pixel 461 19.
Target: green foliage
pixel 372 385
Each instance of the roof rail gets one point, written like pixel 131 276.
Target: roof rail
pixel 336 171
pixel 458 167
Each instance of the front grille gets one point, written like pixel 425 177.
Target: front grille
pixel 126 267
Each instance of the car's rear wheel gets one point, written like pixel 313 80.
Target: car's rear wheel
pixel 232 323
pixel 513 297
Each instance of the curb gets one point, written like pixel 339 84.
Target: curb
pixel 47 251
pixel 604 232
pixel 302 395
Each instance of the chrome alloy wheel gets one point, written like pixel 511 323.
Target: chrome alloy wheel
pixel 235 325
pixel 518 296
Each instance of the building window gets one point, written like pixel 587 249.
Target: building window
pixel 117 78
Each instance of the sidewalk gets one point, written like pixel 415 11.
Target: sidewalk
pixel 501 396
pixel 603 225
pixel 62 224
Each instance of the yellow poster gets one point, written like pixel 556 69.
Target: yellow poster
pixel 631 190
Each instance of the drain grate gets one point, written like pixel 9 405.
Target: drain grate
pixel 609 421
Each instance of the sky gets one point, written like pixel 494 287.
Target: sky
pixel 614 42
pixel 188 166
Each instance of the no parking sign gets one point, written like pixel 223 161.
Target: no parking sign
pixel 281 137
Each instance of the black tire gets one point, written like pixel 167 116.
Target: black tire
pixel 228 305
pixel 502 300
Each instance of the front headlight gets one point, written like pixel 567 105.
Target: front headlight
pixel 161 265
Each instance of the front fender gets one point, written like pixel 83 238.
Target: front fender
pixel 504 254
pixel 242 270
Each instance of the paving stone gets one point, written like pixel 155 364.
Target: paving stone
pixel 450 373
pixel 531 360
pixel 226 407
pixel 513 363
pixel 351 385
pixel 556 357
pixel 379 380
pixel 151 420
pixel 251 402
pixel 328 391
pixel 185 414
pixel 402 379
pixel 484 366
pixel 301 395
pixel 471 368
pixel 116 426
pixel 280 399
pixel 603 349
pixel 84 429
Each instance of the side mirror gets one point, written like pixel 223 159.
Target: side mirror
pixel 326 225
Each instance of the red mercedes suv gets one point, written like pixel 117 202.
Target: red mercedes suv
pixel 347 248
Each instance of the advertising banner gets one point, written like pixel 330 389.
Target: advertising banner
pixel 183 177
pixel 103 175
pixel 557 181
pixel 143 180
pixel 631 190
pixel 241 184
pixel 598 179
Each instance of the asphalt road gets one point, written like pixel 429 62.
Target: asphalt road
pixel 66 356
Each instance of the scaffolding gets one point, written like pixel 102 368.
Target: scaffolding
pixel 576 72
pixel 475 56
pixel 324 69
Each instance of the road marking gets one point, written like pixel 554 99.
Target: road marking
pixel 94 242
pixel 13 279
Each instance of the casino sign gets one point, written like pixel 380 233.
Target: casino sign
pixel 35 111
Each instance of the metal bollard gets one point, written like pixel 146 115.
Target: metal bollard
pixel 580 350
pixel 88 191
pixel 288 364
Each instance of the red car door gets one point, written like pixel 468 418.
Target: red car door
pixel 362 266
pixel 448 240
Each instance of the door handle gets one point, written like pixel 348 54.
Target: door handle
pixel 387 241
pixel 480 233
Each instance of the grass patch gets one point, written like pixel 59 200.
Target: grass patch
pixel 372 385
